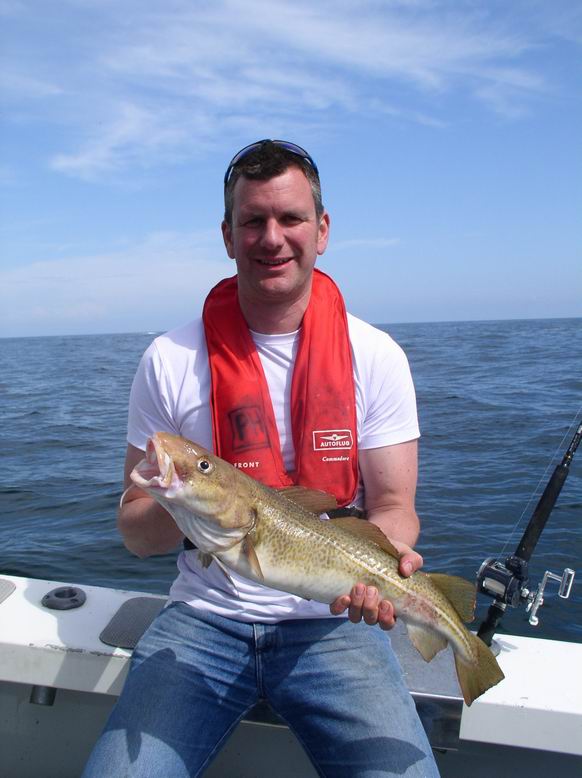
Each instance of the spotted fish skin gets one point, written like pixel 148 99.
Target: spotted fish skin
pixel 269 537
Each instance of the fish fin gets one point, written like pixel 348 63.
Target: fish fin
pixel 460 592
pixel 205 559
pixel 224 571
pixel 474 681
pixel 252 558
pixel 313 500
pixel 346 512
pixel 367 530
pixel 426 641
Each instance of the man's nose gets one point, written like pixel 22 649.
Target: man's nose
pixel 272 236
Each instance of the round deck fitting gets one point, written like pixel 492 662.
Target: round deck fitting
pixel 64 598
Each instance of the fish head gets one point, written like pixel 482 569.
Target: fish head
pixel 204 494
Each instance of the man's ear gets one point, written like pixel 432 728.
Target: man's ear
pixel 227 238
pixel 323 233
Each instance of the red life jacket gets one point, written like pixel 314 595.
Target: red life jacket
pixel 323 405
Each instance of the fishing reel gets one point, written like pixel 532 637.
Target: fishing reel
pixel 507 583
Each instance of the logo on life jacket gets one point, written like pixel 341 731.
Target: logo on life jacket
pixel 323 440
pixel 248 428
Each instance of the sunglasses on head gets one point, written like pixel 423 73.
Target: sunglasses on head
pixel 283 144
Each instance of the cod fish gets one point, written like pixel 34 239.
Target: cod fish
pixel 267 536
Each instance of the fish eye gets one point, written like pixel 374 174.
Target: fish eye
pixel 204 466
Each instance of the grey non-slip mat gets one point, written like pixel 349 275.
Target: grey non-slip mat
pixel 131 621
pixel 6 589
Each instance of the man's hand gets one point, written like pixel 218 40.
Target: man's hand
pixel 363 602
pixel 389 476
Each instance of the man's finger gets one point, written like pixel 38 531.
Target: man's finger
pixel 409 563
pixel 339 605
pixel 386 617
pixel 370 605
pixel 357 596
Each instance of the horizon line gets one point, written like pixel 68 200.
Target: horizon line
pixel 374 324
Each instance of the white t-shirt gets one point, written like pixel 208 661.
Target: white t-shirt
pixel 171 392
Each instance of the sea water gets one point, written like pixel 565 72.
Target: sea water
pixel 498 402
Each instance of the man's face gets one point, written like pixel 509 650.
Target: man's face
pixel 275 237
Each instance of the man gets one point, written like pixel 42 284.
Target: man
pixel 275 376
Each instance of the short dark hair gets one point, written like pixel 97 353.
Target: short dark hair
pixel 264 163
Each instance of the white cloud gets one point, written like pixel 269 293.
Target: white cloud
pixel 128 137
pixel 155 284
pixel 22 85
pixel 147 84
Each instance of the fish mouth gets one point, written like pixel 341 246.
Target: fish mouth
pixel 156 470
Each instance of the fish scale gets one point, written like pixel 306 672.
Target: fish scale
pixel 360 559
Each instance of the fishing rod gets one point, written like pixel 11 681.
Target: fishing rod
pixel 507 581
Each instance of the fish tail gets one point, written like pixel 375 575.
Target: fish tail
pixel 476 678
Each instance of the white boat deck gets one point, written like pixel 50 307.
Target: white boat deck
pixel 537 706
pixel 61 649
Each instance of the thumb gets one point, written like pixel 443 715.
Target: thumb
pixel 409 563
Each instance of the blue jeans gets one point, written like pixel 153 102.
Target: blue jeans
pixel 194 675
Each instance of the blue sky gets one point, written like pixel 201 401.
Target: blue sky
pixel 448 137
